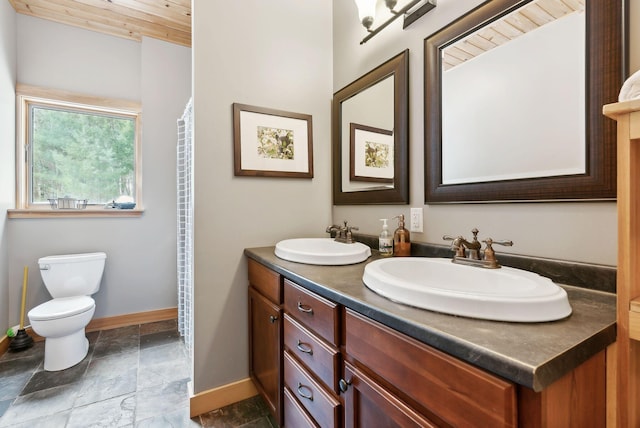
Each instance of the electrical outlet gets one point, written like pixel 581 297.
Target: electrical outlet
pixel 416 220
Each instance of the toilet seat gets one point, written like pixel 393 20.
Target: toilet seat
pixel 62 307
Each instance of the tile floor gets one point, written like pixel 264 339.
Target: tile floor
pixel 133 376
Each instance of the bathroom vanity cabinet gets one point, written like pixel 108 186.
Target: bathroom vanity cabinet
pixel 337 367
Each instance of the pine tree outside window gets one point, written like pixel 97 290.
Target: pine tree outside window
pixel 78 147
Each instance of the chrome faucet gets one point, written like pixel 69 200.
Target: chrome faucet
pixel 342 233
pixel 460 246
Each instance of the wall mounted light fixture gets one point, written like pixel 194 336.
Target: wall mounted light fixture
pixel 412 10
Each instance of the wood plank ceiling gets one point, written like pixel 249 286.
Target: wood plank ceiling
pixel 527 18
pixel 168 20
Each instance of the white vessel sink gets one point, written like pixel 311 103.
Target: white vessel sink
pixel 322 251
pixel 504 294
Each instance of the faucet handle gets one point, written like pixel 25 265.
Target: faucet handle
pixel 490 241
pixel 490 254
pixel 456 245
pixel 333 228
pixel 349 235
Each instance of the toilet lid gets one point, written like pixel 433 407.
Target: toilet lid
pixel 61 307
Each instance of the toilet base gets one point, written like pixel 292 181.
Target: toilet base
pixel 63 352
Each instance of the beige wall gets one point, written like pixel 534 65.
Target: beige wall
pixel 273 54
pixel 583 232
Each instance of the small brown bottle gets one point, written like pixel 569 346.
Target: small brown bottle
pixel 401 239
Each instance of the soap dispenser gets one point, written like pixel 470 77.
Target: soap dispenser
pixel 385 241
pixel 401 239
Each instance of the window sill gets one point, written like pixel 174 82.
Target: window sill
pixel 84 213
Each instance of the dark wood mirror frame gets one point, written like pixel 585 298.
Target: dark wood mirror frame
pixel 606 68
pixel 397 66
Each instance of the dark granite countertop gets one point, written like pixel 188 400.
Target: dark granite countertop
pixel 530 354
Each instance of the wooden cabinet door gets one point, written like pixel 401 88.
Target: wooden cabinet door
pixel 265 350
pixel 367 404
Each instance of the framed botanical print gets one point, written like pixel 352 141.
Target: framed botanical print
pixel 371 154
pixel 271 143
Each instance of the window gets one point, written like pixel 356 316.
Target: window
pixel 76 149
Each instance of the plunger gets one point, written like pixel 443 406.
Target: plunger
pixel 22 340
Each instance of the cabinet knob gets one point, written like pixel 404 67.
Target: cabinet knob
pixel 273 319
pixel 344 385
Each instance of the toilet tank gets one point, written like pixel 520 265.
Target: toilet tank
pixel 72 274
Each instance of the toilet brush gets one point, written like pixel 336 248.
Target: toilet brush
pixel 22 340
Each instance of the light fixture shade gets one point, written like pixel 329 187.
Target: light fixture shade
pixel 366 9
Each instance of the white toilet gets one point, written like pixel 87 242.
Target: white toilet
pixel 70 279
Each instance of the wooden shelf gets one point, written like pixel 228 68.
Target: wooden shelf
pixel 86 213
pixel 624 365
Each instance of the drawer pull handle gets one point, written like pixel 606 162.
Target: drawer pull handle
pixel 304 347
pixel 305 308
pixel 344 385
pixel 273 319
pixel 301 388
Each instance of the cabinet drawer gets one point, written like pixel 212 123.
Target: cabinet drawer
pixel 320 404
pixel 294 414
pixel 321 359
pixel 317 313
pixel 456 392
pixel 265 280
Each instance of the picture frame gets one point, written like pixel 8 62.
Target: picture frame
pixel 272 143
pixel 371 154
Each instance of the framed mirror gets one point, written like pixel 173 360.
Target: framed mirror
pixel 513 102
pixel 370 119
